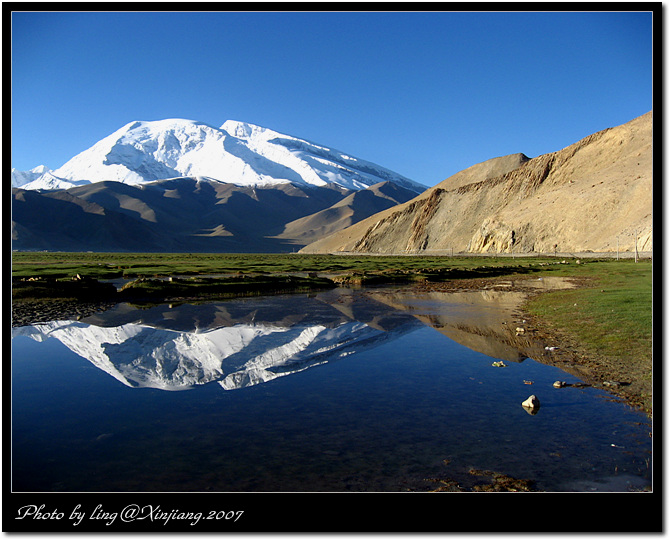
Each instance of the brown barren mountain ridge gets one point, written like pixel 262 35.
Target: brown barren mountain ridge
pixel 594 195
pixel 187 214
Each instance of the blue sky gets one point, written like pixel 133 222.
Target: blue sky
pixel 425 94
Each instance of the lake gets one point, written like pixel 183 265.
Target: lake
pixel 343 390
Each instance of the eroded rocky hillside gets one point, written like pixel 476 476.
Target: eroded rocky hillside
pixel 589 196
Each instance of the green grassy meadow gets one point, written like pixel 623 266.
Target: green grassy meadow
pixel 610 317
pixel 613 313
pixel 132 265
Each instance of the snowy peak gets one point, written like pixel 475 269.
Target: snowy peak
pixel 143 152
pixel 21 178
pixel 237 153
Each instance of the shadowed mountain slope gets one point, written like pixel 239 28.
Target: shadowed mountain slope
pixel 186 214
pixel 353 208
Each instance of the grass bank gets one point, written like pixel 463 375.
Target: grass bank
pixel 608 319
pixel 169 275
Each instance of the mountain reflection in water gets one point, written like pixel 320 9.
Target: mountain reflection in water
pixel 244 342
pixel 235 343
pixel 482 320
pixel 393 406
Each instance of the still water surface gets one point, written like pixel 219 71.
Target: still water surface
pixel 339 391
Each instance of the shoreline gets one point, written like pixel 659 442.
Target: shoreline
pixel 29 312
pixel 617 378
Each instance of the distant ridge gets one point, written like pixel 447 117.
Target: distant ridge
pixel 187 214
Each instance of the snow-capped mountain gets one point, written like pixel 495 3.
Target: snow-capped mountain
pixel 180 185
pixel 238 153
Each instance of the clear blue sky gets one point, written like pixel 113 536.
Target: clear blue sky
pixel 424 94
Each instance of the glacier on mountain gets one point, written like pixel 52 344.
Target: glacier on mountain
pixel 238 153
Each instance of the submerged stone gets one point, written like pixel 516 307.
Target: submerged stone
pixel 532 404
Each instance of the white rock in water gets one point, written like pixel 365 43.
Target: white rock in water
pixel 531 403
